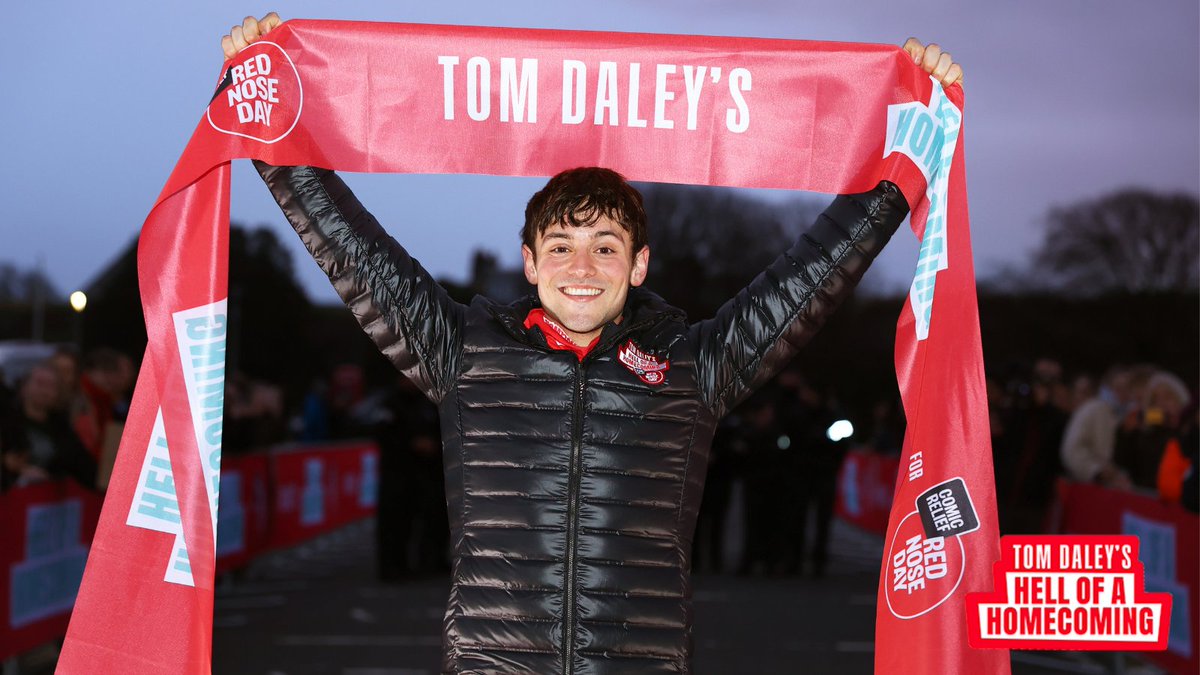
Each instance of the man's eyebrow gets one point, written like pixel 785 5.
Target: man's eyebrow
pixel 595 235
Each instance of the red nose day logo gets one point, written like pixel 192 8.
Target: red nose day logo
pixel 926 553
pixel 925 571
pixel 260 96
pixel 648 368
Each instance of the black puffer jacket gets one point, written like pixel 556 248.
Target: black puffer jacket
pixel 573 487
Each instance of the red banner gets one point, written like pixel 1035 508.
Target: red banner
pixel 45 530
pixel 51 526
pixel 244 515
pixel 830 117
pixel 317 491
pixel 864 495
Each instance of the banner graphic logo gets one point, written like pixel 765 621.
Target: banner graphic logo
pixel 1082 592
pixel 648 368
pixel 260 96
pixel 200 332
pixel 927 134
pixel 925 571
pixel 155 506
pixel 927 556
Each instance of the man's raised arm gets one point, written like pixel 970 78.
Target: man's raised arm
pixel 411 318
pixel 757 332
pixel 406 313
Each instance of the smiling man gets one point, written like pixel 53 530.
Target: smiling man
pixel 577 421
pixel 584 246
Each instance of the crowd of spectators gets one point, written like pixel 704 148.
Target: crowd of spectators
pixel 784 446
pixel 1134 428
pixel 64 419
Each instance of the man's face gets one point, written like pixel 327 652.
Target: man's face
pixel 41 388
pixel 583 274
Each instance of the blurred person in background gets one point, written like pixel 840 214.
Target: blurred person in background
pixel 411 526
pixel 764 481
pixel 806 417
pixel 887 427
pixel 40 436
pixel 1089 443
pixel 254 416
pixel 15 468
pixel 1177 472
pixel 70 396
pixel 313 420
pixel 724 469
pixel 1157 422
pixel 97 414
pixel 1038 435
pixel 1083 389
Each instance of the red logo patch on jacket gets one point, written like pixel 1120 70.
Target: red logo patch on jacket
pixel 648 368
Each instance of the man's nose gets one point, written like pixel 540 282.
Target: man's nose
pixel 582 264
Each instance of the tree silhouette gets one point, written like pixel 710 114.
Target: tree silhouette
pixel 707 243
pixel 268 311
pixel 1132 241
pixel 20 285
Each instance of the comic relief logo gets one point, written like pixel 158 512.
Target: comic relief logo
pixel 648 368
pixel 260 96
pixel 927 556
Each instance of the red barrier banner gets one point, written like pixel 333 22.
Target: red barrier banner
pixel 46 528
pixel 317 490
pixel 244 512
pixel 1170 552
pixel 866 481
pixel 45 531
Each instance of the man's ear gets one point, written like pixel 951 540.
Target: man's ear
pixel 641 265
pixel 530 265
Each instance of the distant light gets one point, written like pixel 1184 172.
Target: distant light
pixel 783 442
pixel 78 301
pixel 839 430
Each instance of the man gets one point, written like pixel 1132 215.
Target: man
pixel 41 436
pixel 1089 443
pixel 576 423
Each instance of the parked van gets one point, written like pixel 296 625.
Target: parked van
pixel 17 358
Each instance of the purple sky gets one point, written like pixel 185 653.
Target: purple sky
pixel 1066 100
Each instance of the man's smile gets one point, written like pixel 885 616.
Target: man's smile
pixel 581 292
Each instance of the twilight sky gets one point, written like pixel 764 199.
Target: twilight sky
pixel 1066 100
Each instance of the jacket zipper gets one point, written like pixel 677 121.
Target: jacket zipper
pixel 574 475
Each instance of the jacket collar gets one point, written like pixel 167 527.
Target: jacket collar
pixel 643 309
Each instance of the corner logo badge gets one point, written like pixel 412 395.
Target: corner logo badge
pixel 260 96
pixel 648 368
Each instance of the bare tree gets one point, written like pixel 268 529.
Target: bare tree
pixel 707 243
pixel 21 286
pixel 1133 240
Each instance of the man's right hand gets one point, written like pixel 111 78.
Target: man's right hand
pixel 248 33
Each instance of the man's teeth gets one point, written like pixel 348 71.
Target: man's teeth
pixel 582 291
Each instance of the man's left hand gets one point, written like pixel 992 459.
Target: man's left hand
pixel 934 61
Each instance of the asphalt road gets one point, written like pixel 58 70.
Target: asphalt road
pixel 318 609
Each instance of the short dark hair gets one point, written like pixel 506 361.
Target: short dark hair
pixel 103 359
pixel 579 197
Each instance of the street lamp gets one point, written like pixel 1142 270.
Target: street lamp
pixel 78 301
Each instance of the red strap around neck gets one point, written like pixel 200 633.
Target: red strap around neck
pixel 556 337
